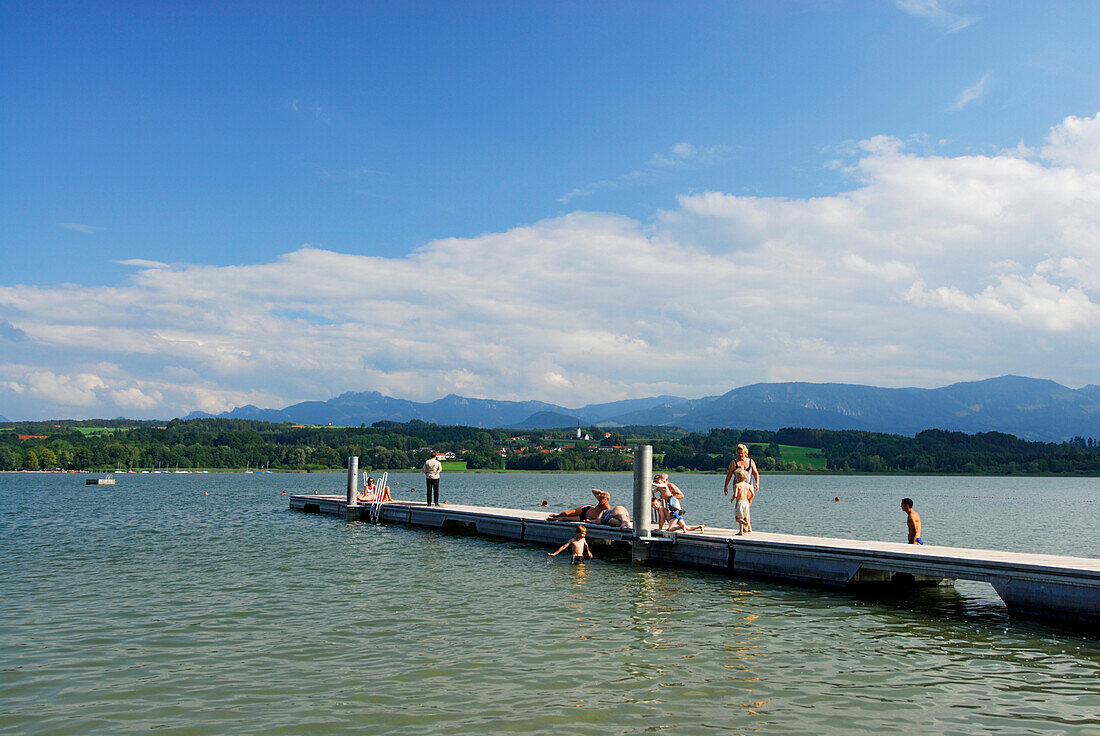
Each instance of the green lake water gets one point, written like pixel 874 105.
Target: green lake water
pixel 149 607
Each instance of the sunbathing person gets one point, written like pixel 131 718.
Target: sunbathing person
pixel 587 513
pixel 617 516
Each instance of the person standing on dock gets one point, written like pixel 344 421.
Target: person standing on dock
pixel 746 463
pixel 914 521
pixel 432 469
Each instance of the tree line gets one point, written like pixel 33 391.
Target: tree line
pixel 234 443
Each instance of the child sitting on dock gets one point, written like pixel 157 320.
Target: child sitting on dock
pixel 742 499
pixel 579 545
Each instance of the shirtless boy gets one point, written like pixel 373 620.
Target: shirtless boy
pixel 914 521
pixel 579 545
pixel 741 500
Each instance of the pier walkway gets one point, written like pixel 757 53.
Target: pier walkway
pixel 1045 586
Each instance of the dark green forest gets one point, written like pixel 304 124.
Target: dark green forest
pixel 233 444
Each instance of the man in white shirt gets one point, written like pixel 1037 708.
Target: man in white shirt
pixel 432 469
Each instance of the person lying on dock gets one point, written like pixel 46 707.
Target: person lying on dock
pixel 617 516
pixel 587 513
pixel 671 496
pixel 579 545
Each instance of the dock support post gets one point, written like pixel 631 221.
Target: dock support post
pixel 353 487
pixel 643 512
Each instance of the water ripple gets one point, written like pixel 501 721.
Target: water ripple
pixel 159 609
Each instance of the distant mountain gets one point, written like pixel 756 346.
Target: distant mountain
pixel 4 418
pixel 546 420
pixel 1092 390
pixel 1029 408
pixel 603 413
pixel 1026 407
pixel 367 407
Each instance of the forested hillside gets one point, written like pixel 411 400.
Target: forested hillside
pixel 233 443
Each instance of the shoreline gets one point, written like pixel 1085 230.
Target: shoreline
pixel 475 471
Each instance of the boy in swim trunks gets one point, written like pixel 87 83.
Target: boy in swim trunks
pixel 579 545
pixel 741 500
pixel 913 521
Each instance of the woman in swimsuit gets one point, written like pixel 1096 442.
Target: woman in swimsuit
pixel 370 492
pixel 743 462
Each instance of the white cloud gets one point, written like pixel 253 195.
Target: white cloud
pixel 1075 142
pixel 680 155
pixel 934 12
pixel 71 390
pixel 971 93
pixel 135 398
pixel 1031 302
pixel 80 227
pixel 142 263
pixel 929 270
pixel 683 154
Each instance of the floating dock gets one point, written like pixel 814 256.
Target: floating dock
pixel 1034 585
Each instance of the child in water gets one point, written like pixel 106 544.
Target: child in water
pixel 579 545
pixel 742 498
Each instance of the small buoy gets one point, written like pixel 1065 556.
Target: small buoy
pixel 284 493
pixel 544 503
pixel 446 502
pixel 315 493
pixel 837 498
pixel 205 493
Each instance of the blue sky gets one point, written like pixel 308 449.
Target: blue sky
pixel 894 193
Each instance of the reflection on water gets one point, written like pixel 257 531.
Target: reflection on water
pixel 151 607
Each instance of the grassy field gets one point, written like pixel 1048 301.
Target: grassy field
pixel 810 456
pixel 100 430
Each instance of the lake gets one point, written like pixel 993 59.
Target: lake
pixel 150 607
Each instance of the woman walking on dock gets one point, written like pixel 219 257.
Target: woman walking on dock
pixel 746 463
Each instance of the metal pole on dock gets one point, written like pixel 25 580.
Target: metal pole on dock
pixel 643 510
pixel 353 486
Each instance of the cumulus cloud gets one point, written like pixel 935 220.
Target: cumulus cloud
pixel 1075 142
pixel 929 270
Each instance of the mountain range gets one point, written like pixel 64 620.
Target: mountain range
pixel 1030 408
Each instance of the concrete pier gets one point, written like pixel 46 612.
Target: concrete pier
pixel 1043 586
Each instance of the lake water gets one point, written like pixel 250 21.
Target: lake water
pixel 151 607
